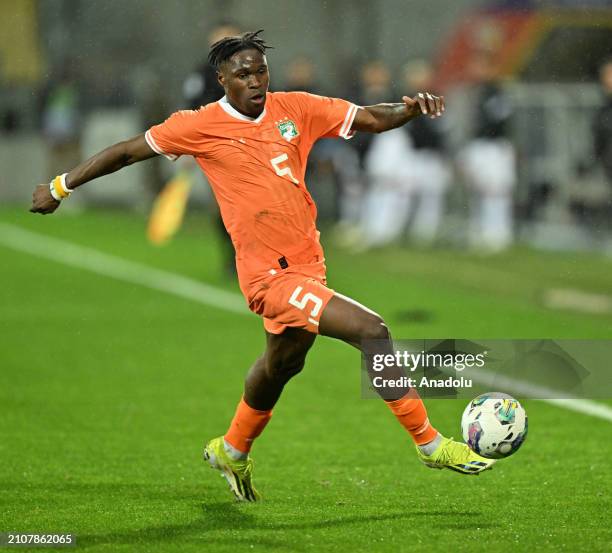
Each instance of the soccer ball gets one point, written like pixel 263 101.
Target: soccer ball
pixel 494 425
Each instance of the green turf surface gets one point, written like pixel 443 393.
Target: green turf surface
pixel 109 389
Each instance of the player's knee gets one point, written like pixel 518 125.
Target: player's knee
pixel 373 327
pixel 284 368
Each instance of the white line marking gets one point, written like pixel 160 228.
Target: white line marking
pixel 584 406
pixel 577 300
pixel 81 257
pixel 541 393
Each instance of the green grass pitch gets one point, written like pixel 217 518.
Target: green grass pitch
pixel 108 391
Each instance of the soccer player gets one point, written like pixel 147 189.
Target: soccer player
pixel 253 146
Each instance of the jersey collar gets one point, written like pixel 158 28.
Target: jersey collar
pixel 227 107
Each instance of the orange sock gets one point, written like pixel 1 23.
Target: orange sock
pixel 412 415
pixel 247 424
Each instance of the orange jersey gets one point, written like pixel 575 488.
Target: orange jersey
pixel 256 169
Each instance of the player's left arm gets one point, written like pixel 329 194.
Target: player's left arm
pixel 384 117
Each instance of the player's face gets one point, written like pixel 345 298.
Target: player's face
pixel 245 79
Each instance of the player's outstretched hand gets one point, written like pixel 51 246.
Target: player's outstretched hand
pixel 425 103
pixel 42 201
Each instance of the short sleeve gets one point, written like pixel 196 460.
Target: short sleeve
pixel 329 117
pixel 178 135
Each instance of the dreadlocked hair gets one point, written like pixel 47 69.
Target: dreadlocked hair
pixel 224 49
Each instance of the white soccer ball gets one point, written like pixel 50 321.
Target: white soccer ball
pixel 494 425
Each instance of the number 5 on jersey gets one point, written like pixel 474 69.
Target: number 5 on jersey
pixel 302 302
pixel 282 171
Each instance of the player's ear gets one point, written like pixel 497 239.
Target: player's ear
pixel 221 78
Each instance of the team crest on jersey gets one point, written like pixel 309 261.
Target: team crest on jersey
pixel 287 129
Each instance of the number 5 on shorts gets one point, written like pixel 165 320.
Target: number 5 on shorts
pixel 300 303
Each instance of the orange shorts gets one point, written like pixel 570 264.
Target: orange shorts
pixel 291 299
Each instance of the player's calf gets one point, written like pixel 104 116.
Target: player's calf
pixel 284 357
pixel 347 320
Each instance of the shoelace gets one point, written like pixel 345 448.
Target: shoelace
pixel 245 468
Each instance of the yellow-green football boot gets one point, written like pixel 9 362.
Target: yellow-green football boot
pixel 455 456
pixel 238 473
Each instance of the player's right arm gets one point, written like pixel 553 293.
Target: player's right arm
pixel 384 117
pixel 107 161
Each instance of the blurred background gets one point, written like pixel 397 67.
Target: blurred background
pixel 523 154
pixel 118 358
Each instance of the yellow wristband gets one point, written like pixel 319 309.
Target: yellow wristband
pixel 58 187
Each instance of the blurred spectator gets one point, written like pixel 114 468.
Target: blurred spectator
pixel 407 169
pixel 201 86
pixel 430 173
pixel 387 166
pixel 488 161
pixel 374 88
pixel 602 124
pixel 375 80
pixel 300 76
pixel 61 121
pixel 360 217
